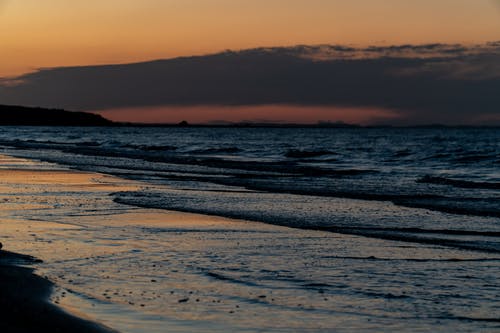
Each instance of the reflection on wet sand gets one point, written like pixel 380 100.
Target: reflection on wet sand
pixel 146 270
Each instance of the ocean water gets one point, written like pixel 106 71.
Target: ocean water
pixel 399 227
pixel 292 176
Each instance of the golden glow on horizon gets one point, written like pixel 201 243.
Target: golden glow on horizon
pixel 52 33
pixel 261 113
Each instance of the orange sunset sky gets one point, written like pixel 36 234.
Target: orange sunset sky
pixel 53 33
pixel 49 33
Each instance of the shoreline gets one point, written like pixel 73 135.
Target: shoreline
pixel 26 299
pixel 25 305
pixel 51 299
pixel 140 270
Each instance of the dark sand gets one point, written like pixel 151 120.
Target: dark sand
pixel 24 305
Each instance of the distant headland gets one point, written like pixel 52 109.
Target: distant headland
pixel 28 116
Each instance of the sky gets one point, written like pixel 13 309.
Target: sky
pixel 38 34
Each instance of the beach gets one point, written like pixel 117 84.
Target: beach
pixel 248 167
pixel 147 270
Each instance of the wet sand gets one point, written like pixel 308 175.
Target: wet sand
pixel 147 270
pixel 49 213
pixel 25 304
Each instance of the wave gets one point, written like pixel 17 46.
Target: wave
pixel 439 156
pixel 49 143
pixel 295 153
pixel 458 183
pixel 358 171
pixel 469 319
pixel 291 168
pixel 419 231
pixel 461 206
pixel 150 147
pixel 88 144
pixel 373 258
pixel 285 211
pixel 482 246
pixel 403 153
pixel 42 142
pixel 270 176
pixel 221 277
pixel 475 158
pixel 484 206
pixel 220 150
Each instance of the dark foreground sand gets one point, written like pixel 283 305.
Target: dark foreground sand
pixel 24 305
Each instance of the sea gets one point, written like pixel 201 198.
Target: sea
pixel 423 203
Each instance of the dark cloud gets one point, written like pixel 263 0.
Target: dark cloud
pixel 431 83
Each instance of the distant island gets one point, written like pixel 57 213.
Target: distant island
pixel 29 116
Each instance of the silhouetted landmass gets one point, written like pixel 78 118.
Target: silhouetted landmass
pixel 26 116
